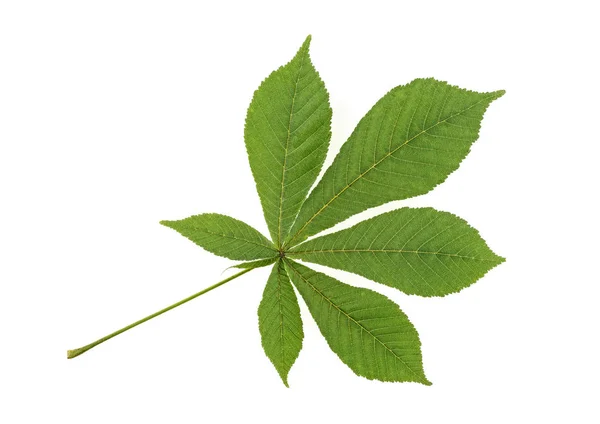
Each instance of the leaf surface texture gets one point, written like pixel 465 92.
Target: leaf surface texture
pixel 279 322
pixel 365 329
pixel 224 236
pixel 287 132
pixel 408 143
pixel 417 250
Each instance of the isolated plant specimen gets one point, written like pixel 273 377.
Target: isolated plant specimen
pixel 409 142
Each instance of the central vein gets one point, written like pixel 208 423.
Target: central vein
pixel 285 154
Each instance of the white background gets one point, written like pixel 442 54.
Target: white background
pixel 117 114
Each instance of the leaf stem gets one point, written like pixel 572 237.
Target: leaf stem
pixel 76 352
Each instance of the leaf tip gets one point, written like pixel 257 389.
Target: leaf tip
pixel 304 48
pixel 497 258
pixel 284 377
pixel 165 223
pixel 306 43
pixel 498 94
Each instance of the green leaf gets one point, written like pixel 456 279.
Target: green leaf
pixel 408 143
pixel 224 236
pixel 365 329
pixel 279 322
pixel 287 132
pixel 419 251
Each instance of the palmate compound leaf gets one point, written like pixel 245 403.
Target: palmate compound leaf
pixel 224 236
pixel 408 143
pixel 405 145
pixel 365 329
pixel 279 322
pixel 419 251
pixel 287 132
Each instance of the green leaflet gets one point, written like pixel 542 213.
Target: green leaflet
pixel 224 236
pixel 408 143
pixel 287 133
pixel 419 251
pixel 365 329
pixel 256 264
pixel 279 322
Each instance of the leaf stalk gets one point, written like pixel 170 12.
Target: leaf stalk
pixel 76 352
